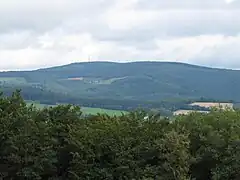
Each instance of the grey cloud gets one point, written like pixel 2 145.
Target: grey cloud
pixel 170 23
pixel 187 4
pixel 176 24
pixel 224 56
pixel 174 17
pixel 24 24
pixel 42 16
pixel 17 40
pixel 192 23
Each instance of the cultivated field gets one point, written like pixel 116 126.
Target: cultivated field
pixel 207 105
pixel 213 104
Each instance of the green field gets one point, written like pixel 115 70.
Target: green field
pixel 88 110
pixel 85 110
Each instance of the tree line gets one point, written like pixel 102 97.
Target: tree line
pixel 59 143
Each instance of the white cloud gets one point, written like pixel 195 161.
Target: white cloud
pixel 63 49
pixel 187 47
pixel 124 16
pixel 229 1
pixel 36 33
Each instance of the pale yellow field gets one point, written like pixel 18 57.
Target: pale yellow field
pixel 208 105
pixel 213 104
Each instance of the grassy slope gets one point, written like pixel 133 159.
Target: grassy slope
pixel 93 111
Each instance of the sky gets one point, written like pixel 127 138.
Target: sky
pixel 43 33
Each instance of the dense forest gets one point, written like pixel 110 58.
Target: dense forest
pixel 60 143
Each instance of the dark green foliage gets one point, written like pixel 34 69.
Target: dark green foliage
pixel 60 143
pixel 130 148
pixel 214 144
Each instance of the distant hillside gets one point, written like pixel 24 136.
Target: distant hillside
pixel 145 81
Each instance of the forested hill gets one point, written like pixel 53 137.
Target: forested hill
pixel 145 81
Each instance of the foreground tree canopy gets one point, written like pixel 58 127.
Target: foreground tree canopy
pixel 59 143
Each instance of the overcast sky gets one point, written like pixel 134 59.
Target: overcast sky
pixel 41 33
